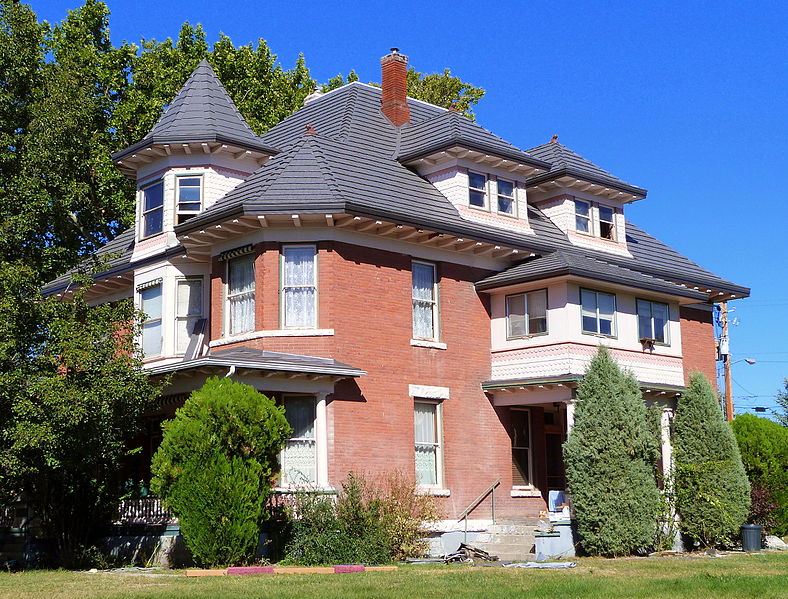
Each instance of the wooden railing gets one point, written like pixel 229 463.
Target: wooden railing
pixel 144 510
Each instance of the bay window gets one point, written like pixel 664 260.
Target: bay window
pixel 153 209
pixel 240 294
pixel 151 305
pixel 424 294
pixel 427 428
pixel 598 312
pixel 653 321
pixel 299 456
pixel 477 189
pixel 188 310
pixel 299 286
pixel 189 197
pixel 526 314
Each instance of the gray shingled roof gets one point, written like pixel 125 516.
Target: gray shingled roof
pixel 566 162
pixel 452 129
pixel 202 111
pixel 573 263
pixel 245 357
pixel 321 175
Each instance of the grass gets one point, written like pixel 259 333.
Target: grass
pixel 764 576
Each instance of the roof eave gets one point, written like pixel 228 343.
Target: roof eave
pixel 520 157
pixel 638 192
pixel 207 138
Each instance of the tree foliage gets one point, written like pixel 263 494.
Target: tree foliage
pixel 782 402
pixel 216 465
pixel 712 491
pixel 763 444
pixel 610 455
pixel 73 396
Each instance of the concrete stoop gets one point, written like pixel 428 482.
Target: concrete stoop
pixel 512 540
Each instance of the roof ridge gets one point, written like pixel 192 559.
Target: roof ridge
pixel 349 113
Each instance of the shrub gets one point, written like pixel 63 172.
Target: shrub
pixel 610 455
pixel 712 491
pixel 215 468
pixel 764 451
pixel 364 523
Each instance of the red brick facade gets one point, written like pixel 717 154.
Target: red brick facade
pixel 697 343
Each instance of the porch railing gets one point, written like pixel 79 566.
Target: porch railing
pixel 473 505
pixel 143 510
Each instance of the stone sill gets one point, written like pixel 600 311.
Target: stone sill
pixel 272 333
pixel 425 343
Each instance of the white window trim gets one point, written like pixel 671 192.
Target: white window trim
pixel 614 333
pixel 140 288
pixel 144 213
pixel 589 218
pixel 529 487
pixel 485 190
pixel 528 334
pixel 178 179
pixel 433 341
pixel 179 318
pixel 513 197
pixel 438 487
pixel 612 222
pixel 666 342
pixel 321 448
pixel 283 295
pixel 226 332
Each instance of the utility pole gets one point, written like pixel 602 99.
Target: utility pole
pixel 726 360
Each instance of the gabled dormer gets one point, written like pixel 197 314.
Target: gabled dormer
pixel 198 150
pixel 585 201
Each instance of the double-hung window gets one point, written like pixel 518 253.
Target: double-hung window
pixel 428 443
pixel 653 321
pixel 607 226
pixel 526 314
pixel 189 197
pixel 240 294
pixel 477 189
pixel 506 196
pixel 425 301
pixel 299 286
pixel 188 311
pixel 599 312
pixel 522 468
pixel 582 216
pixel 299 456
pixel 150 304
pixel 153 209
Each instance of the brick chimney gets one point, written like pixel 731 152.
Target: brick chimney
pixel 395 87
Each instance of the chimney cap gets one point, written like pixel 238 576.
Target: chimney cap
pixel 395 50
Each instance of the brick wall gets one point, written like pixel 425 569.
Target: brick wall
pixel 697 343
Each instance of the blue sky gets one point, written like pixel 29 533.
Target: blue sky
pixel 687 99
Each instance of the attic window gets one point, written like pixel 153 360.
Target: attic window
pixel 582 216
pixel 189 194
pixel 607 228
pixel 477 189
pixel 505 196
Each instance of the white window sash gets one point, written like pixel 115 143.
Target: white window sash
pixel 428 450
pixel 511 198
pixel 299 457
pixel 151 337
pixel 299 299
pixel 527 315
pixel 180 211
pixel 240 303
pixel 597 314
pixel 423 327
pixel 184 322
pixel 481 190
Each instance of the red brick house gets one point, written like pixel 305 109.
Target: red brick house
pixel 418 292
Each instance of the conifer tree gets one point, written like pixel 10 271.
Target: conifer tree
pixel 610 455
pixel 712 491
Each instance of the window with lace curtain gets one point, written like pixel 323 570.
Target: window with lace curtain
pixel 425 301
pixel 427 435
pixel 299 456
pixel 240 294
pixel 299 286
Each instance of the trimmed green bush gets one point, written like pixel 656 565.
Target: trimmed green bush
pixel 712 491
pixel 610 455
pixel 215 468
pixel 763 444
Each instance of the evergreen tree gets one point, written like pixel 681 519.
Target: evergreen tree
pixel 216 465
pixel 712 491
pixel 610 455
pixel 782 401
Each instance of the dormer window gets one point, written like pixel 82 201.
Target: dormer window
pixel 506 197
pixel 189 197
pixel 153 209
pixel 607 228
pixel 477 189
pixel 582 216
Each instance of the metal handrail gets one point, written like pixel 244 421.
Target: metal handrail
pixel 475 503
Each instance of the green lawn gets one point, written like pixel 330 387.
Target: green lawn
pixel 736 576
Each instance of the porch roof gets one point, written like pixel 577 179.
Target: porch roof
pixel 255 359
pixel 569 380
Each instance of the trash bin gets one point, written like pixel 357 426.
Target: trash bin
pixel 751 537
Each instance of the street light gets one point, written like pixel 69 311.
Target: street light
pixel 728 390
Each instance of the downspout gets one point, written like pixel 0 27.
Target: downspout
pixel 230 372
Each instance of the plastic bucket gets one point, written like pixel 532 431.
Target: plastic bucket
pixel 751 537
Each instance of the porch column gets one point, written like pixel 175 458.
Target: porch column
pixel 667 446
pixel 570 415
pixel 321 438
